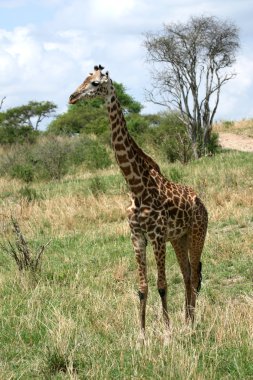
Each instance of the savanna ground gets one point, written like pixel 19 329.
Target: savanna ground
pixel 236 135
pixel 78 317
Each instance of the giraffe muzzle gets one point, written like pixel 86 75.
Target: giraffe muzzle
pixel 73 98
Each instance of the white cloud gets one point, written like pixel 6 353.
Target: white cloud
pixel 235 98
pixel 31 68
pixel 110 9
pixel 48 60
pixel 12 3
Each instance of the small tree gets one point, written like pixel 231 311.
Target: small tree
pixel 20 124
pixel 30 115
pixel 192 62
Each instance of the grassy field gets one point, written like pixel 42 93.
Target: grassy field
pixel 242 127
pixel 78 318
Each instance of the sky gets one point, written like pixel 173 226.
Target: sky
pixel 48 47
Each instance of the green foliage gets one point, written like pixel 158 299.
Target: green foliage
pixel 213 145
pixel 30 114
pixel 12 134
pixel 16 161
pixel 169 135
pixel 53 157
pixel 82 117
pixel 20 124
pixel 137 125
pixel 127 102
pixel 47 159
pixel 22 171
pixel 91 152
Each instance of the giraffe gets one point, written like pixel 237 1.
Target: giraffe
pixel 160 210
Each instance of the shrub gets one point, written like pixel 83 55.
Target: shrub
pixel 90 152
pixel 171 138
pixel 11 134
pixel 213 145
pixel 17 162
pixel 28 193
pixel 22 171
pixel 50 157
pixel 177 147
pixel 20 251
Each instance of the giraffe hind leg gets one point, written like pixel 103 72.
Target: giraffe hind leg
pixel 200 277
pixel 196 244
pixel 180 246
pixel 160 253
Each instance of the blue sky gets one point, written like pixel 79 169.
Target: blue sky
pixel 47 47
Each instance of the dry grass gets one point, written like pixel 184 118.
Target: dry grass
pixel 80 320
pixel 242 127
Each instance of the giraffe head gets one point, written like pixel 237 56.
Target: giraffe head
pixel 95 85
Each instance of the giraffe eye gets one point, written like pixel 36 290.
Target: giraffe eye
pixel 95 83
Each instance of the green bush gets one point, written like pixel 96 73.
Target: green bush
pixel 22 171
pixel 51 156
pixel 16 161
pixel 170 137
pixel 90 152
pixel 46 159
pixel 10 134
pixel 213 145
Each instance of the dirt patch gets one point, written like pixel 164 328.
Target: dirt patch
pixel 238 142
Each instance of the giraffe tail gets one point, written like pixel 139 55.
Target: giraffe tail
pixel 200 277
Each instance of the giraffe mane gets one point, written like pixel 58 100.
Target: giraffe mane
pixel 151 163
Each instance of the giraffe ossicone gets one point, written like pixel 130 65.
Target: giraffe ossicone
pixel 160 210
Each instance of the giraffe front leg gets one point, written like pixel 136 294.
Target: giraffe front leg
pixel 160 252
pixel 139 243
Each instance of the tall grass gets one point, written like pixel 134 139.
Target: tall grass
pixel 80 319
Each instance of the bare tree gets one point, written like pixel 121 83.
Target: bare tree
pixel 191 63
pixel 2 102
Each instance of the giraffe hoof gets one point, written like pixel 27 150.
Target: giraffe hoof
pixel 162 292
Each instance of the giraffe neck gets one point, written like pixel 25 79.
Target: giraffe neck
pixel 127 152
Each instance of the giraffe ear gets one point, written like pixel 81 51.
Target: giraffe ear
pixel 107 74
